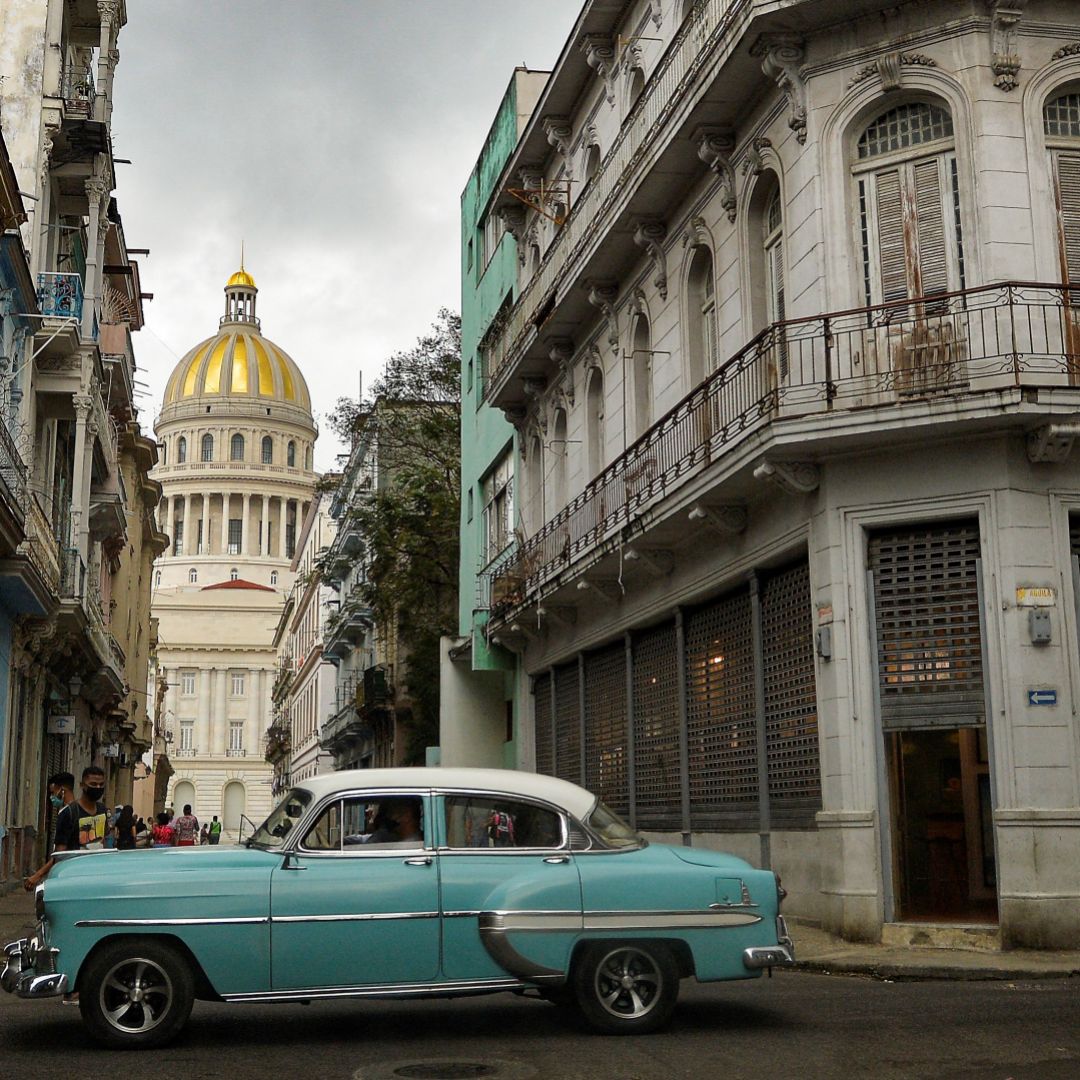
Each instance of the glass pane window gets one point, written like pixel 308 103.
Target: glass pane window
pixel 1061 117
pixel 237 683
pixel 208 448
pixel 187 734
pixel 187 683
pixel 236 448
pixel 371 822
pixel 904 127
pixel 492 821
pixel 181 450
pixel 267 450
pixel 235 535
pixel 236 734
pixel 178 538
pixel 498 494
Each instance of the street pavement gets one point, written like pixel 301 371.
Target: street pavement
pixel 799 1024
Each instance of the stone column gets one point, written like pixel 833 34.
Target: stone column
pixel 171 677
pixel 224 523
pixel 221 710
pixel 108 11
pixel 204 720
pixel 245 526
pixel 170 520
pixel 189 543
pixel 96 192
pixel 283 514
pixel 264 528
pixel 78 510
pixel 253 729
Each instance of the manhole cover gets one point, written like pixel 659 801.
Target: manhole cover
pixel 446 1070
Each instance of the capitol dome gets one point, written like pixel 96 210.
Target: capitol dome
pixel 237 362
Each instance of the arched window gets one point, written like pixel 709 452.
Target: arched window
pixel 234 574
pixel 236 447
pixel 592 164
pixel 193 576
pixel 635 89
pixel 534 485
pixel 594 420
pixel 181 450
pixel 641 362
pixel 557 448
pixel 163 448
pixel 267 450
pixel 157 579
pixel 534 259
pixel 290 455
pixel 307 458
pixel 273 577
pixel 909 205
pixel 208 447
pixel 772 242
pixel 702 315
pixel 1061 123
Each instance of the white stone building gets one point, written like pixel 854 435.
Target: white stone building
pixel 237 439
pixel 795 569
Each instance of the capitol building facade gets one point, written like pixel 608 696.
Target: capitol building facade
pixel 237 439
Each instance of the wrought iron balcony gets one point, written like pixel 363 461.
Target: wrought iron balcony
pixel 12 473
pixel 929 356
pixel 60 296
pixel 40 545
pixel 72 574
pixel 77 90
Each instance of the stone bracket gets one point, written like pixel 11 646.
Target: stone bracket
pixel 1051 443
pixel 714 147
pixel 795 477
pixel 599 50
pixel 781 56
pixel 561 614
pixel 649 235
pixel 729 519
pixel 601 588
pixel 558 131
pixel 657 561
pixel 603 293
pixel 1005 17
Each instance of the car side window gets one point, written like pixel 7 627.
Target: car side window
pixel 491 821
pixel 374 823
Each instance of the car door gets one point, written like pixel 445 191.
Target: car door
pixel 510 891
pixel 354 905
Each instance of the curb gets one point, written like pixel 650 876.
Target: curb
pixel 901 972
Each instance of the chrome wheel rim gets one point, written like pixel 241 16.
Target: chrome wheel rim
pixel 628 983
pixel 135 996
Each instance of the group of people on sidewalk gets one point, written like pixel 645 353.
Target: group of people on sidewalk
pixel 84 822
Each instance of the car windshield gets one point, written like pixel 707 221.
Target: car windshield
pixel 606 824
pixel 273 832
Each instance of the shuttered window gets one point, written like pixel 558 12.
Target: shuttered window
pixel 774 269
pixel 567 723
pixel 605 726
pixel 791 722
pixel 929 643
pixel 656 729
pixel 542 713
pixel 721 715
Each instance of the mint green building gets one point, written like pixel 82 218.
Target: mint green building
pixel 480 682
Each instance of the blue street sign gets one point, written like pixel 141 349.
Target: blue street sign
pixel 1042 697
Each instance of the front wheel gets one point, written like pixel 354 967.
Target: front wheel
pixel 136 994
pixel 625 989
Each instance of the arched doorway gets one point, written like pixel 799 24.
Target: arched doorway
pixel 234 803
pixel 184 795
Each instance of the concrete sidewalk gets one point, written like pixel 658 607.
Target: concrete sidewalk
pixel 816 950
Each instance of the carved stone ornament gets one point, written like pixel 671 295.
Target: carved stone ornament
pixel 1005 16
pixel 696 233
pixel 96 188
pixel 637 305
pixel 513 217
pixel 649 235
pixel 781 55
pixel 602 295
pixel 561 352
pixel 558 131
pixel 754 162
pixel 632 57
pixel 108 10
pixel 1067 50
pixel 656 13
pixel 889 69
pixel 728 520
pixel 795 477
pixel 531 176
pixel 1051 443
pixel 599 50
pixel 516 416
pixel 714 148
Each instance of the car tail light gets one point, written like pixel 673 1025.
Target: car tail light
pixel 781 892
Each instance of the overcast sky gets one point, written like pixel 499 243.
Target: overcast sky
pixel 332 137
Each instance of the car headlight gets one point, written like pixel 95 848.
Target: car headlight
pixel 39 902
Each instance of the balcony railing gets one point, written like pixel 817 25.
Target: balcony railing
pixel 236 751
pixel 40 546
pixel 72 574
pixel 60 296
pixel 77 90
pixel 665 91
pixel 187 751
pixel 12 472
pixel 910 353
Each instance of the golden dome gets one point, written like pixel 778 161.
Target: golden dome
pixel 240 364
pixel 241 277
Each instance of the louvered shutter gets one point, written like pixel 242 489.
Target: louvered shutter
pixel 605 726
pixel 656 729
pixel 1068 201
pixel 775 256
pixel 932 264
pixel 929 641
pixel 542 724
pixel 567 723
pixel 893 254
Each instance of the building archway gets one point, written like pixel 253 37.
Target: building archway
pixel 233 804
pixel 184 795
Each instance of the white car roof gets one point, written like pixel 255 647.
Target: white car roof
pixel 510 782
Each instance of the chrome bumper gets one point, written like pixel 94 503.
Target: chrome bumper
pixel 782 954
pixel 30 970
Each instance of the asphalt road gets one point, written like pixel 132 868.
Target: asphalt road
pixel 796 1025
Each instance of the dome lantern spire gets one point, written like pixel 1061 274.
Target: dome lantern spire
pixel 240 293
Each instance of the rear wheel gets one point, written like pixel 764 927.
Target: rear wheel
pixel 625 989
pixel 136 994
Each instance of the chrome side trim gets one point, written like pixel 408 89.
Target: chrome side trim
pixel 173 922
pixel 767 956
pixel 493 934
pixel 379 990
pixel 461 914
pixel 380 917
pixel 667 920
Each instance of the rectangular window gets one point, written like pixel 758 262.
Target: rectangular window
pixel 187 683
pixel 267 453
pixel 198 537
pixel 290 541
pixel 498 495
pixel 235 534
pixel 236 735
pixel 187 735
pixel 494 227
pixel 178 538
pixel 237 684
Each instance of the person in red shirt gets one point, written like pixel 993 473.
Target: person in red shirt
pixel 186 827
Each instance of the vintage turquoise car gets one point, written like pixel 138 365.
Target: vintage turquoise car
pixel 401 883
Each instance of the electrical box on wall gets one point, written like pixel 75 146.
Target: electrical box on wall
pixel 1039 626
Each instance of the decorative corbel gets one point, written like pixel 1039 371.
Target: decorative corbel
pixel 656 12
pixel 605 589
pixel 603 293
pixel 714 148
pixel 729 519
pixel 558 131
pixel 561 351
pixel 657 561
pixel 632 57
pixel 781 55
pixel 890 69
pixel 649 235
pixel 1051 443
pixel 795 477
pixel 560 614
pixel 513 217
pixel 599 50
pixel 754 162
pixel 516 415
pixel 1005 16
pixel 531 176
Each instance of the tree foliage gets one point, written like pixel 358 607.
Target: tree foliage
pixel 410 520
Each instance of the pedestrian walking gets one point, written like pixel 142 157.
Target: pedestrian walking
pixel 215 830
pixel 125 829
pixel 204 835
pixel 187 828
pixel 61 788
pixel 163 834
pixel 81 824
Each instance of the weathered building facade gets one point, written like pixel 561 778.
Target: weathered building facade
pixel 795 566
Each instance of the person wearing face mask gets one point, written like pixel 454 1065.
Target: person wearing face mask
pixel 61 793
pixel 82 823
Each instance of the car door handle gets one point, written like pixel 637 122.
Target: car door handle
pixel 425 861
pixel 557 859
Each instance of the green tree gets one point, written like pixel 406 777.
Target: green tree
pixel 410 521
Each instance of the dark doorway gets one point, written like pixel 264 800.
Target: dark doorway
pixel 943 852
